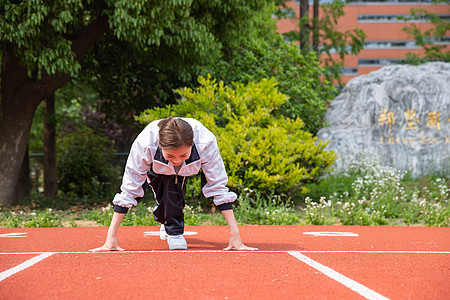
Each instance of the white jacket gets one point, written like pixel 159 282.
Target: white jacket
pixel 144 155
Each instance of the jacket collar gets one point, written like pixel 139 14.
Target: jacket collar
pixel 194 156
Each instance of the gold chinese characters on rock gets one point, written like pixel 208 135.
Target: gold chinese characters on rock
pixel 413 123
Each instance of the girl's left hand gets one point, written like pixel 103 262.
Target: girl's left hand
pixel 236 244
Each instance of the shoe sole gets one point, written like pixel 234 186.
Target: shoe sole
pixel 178 248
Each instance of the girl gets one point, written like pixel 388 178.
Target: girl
pixel 165 154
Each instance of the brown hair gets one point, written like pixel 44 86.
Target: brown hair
pixel 175 133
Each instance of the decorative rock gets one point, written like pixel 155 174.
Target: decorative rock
pixel 400 113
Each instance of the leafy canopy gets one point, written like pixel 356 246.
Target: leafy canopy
pixel 43 31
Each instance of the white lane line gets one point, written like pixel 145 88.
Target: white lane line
pixel 24 265
pixel 375 251
pixel 223 251
pixel 330 233
pixel 157 233
pixel 14 234
pixel 351 284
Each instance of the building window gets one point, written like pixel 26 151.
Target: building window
pixel 396 18
pixel 390 45
pixel 443 40
pixel 379 61
pixel 349 71
pixel 388 1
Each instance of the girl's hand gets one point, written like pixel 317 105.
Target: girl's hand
pixel 236 244
pixel 111 244
pixel 235 239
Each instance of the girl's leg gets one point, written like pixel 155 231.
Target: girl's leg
pixel 169 192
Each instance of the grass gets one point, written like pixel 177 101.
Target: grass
pixel 366 194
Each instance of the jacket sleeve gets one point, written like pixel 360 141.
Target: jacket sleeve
pixel 138 163
pixel 216 176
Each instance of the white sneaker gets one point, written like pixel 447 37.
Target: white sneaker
pixel 162 233
pixel 177 242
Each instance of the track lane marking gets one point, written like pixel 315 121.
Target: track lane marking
pixel 331 234
pixel 350 283
pixel 24 265
pixel 13 235
pixel 223 251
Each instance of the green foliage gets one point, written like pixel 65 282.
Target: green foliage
pixel 299 77
pixel 376 195
pixel 265 55
pixel 38 29
pixel 163 45
pixel 138 216
pixel 343 43
pixel 427 38
pixel 69 103
pixel 39 218
pixel 84 165
pixel 261 149
pixel 178 37
pixel 254 208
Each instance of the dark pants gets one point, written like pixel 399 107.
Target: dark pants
pixel 169 191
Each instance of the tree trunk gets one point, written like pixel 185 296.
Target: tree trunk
pixel 17 109
pixel 15 124
pixel 316 27
pixel 50 171
pixel 23 187
pixel 20 96
pixel 304 27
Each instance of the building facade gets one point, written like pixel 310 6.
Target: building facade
pixel 386 43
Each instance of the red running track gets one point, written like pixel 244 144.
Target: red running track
pixel 293 262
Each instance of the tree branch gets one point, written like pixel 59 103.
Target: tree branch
pixel 80 46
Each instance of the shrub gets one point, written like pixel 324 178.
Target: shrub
pixel 84 165
pixel 261 149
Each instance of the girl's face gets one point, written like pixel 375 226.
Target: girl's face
pixel 177 156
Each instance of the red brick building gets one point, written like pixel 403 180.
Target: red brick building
pixel 386 42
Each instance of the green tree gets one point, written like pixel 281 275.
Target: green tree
pixel 328 41
pixel 131 79
pixel 299 76
pixel 427 39
pixel 44 44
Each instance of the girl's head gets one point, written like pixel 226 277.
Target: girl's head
pixel 176 138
